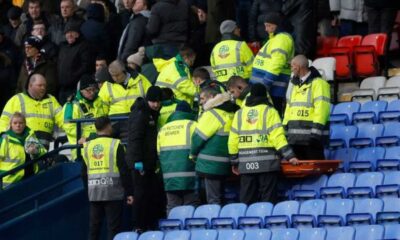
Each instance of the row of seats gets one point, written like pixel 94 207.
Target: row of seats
pixel 356 56
pixel 366 159
pixel 348 185
pixel 309 213
pixel 378 88
pixel 367 232
pixel 349 113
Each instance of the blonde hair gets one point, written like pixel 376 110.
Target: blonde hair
pixel 18 115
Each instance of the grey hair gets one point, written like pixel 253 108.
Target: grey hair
pixel 301 60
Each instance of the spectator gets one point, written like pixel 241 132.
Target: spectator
pixel 209 145
pixel 18 145
pixel 101 76
pixel 270 66
pixel 259 9
pixel 5 6
pixel 168 106
pixel 202 79
pixel 94 29
pixel 134 34
pixel 74 60
pixel 14 21
pixel 176 75
pixel 173 146
pixel 231 56
pixel 198 33
pixel 142 155
pixel 108 185
pixel 381 16
pixel 239 90
pixel 68 13
pixel 35 13
pixel 352 16
pixel 42 110
pixel 324 19
pixel 126 13
pixel 35 62
pixel 217 12
pixel 101 62
pixel 85 104
pixel 135 61
pixel 168 26
pixel 49 49
pixel 256 158
pixel 307 111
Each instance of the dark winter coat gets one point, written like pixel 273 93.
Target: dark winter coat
pixel 217 12
pixel 258 10
pixel 169 22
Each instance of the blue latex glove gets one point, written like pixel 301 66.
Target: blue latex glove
pixel 139 166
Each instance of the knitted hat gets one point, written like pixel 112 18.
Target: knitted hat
pixel 86 81
pixel 273 18
pixel 102 75
pixel 34 41
pixel 258 90
pixel 14 13
pixel 72 26
pixel 137 58
pixel 183 107
pixel 227 26
pixel 154 94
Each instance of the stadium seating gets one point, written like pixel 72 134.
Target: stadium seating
pixel 391 211
pixel 257 234
pixel 285 234
pixel 177 235
pixel 325 44
pixel 391 90
pixel 365 185
pixel 391 161
pixel 364 211
pixel 202 234
pixel 343 113
pixel 337 185
pixel 369 112
pixel 176 218
pixel 392 112
pixel 392 231
pixel 126 236
pixel 368 89
pixel 335 212
pixel 326 66
pixel 391 135
pixel 312 234
pixel 202 216
pixel 347 155
pixel 369 232
pixel 309 211
pixel 152 235
pixel 366 135
pixel 341 135
pixel 366 159
pixel 282 213
pixel 390 187
pixel 230 235
pixel 255 215
pixel 228 217
pixel 309 189
pixel 342 233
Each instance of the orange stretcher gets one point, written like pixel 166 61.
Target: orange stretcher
pixel 309 168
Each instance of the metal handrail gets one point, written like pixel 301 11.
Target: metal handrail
pixel 36 160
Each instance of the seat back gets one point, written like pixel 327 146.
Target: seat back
pixel 378 41
pixel 326 66
pixel 393 82
pixel 370 154
pixel 313 207
pixel 233 210
pixel 207 211
pixel 392 153
pixel 346 155
pixel 365 61
pixel 343 58
pixel 392 231
pixel 370 131
pixel 286 208
pixel 369 232
pixel 343 132
pixel 392 178
pixel 181 212
pixel 347 108
pixel 312 234
pixel 257 234
pixel 230 235
pixel 374 106
pixel 339 207
pixel 314 183
pixel 260 209
pixel 394 106
pixel 325 44
pixel 373 83
pixel 208 234
pixel 350 41
pixel 342 233
pixel 344 180
pixel 177 235
pixel 369 179
pixel 152 235
pixel 391 204
pixel 285 234
pixel 392 129
pixel 126 236
pixel 368 205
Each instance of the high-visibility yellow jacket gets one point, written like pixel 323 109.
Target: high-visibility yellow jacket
pixel 307 110
pixel 210 142
pixel 41 115
pixel 119 99
pixel 173 147
pixel 271 66
pixel 231 58
pixel 12 153
pixel 168 108
pixel 255 139
pixel 100 156
pixel 176 76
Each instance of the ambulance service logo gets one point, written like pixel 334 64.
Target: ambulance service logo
pixel 252 116
pixel 98 151
pixel 223 51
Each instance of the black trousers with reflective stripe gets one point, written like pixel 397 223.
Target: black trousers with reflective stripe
pixel 112 211
pixel 258 187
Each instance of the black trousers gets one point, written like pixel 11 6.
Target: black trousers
pixel 314 151
pixel 258 187
pixel 381 20
pixel 112 211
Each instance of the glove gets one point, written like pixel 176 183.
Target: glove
pixel 139 166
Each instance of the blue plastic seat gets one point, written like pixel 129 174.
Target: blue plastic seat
pixel 177 235
pixel 309 211
pixel 176 218
pixel 390 187
pixel 231 234
pixel 312 234
pixel 366 135
pixel 257 234
pixel 202 216
pixel 255 215
pixel 151 235
pixel 346 155
pixel 391 211
pixel 282 213
pixel 337 185
pixel 309 189
pixel 391 161
pixel 126 236
pixel 390 136
pixel 392 231
pixel 341 135
pixel 366 159
pixel 343 113
pixel 285 234
pixel 203 234
pixel 365 185
pixel 364 211
pixel 342 233
pixel 369 232
pixel 369 112
pixel 335 212
pixel 392 112
pixel 228 217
